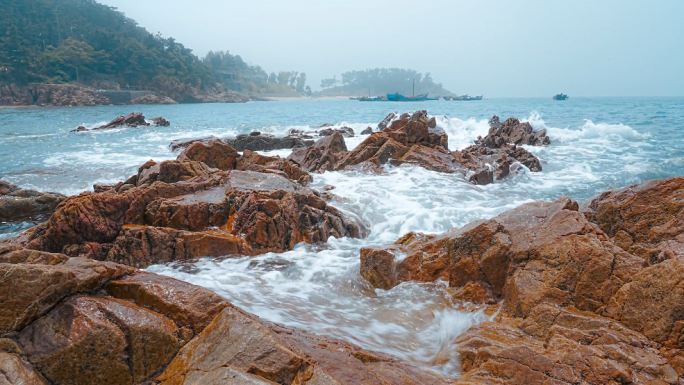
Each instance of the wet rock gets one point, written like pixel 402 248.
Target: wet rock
pixel 252 161
pixel 18 204
pixel 536 252
pixel 99 340
pixel 283 355
pixel 386 122
pixel 214 153
pixel 268 211
pixel 186 304
pixel 347 132
pixel 431 158
pixel 191 211
pixel 367 131
pixel 160 122
pixel 79 129
pixel 323 155
pixel 560 346
pixel 645 219
pixel 512 131
pixel 143 246
pixel 180 144
pixel 31 287
pixel 15 371
pixel 134 119
pixel 265 142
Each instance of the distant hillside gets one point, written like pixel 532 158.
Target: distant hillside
pixel 58 41
pixel 379 81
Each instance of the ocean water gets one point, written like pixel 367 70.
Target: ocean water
pixel 597 143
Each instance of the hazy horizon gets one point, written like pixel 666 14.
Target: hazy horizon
pixel 495 48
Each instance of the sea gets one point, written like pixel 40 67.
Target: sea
pixel 597 144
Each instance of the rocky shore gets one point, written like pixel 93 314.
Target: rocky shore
pixel 582 293
pixel 39 94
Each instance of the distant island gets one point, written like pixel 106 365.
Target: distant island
pixel 64 52
pixel 380 81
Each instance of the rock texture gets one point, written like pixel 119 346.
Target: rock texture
pixel 512 131
pixel 18 204
pixel 283 355
pixel 537 252
pixel 79 321
pixel 414 138
pixel 645 219
pixel 253 142
pixel 575 307
pixel 153 99
pixel 184 210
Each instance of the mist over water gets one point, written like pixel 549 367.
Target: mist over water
pixel 596 144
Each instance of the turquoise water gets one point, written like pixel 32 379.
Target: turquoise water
pixel 597 143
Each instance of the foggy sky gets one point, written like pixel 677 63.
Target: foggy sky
pixel 495 48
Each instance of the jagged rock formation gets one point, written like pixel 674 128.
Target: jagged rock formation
pixel 576 306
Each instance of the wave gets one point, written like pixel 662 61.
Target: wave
pixel 589 130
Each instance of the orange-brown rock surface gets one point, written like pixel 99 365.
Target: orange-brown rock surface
pixel 646 219
pixel 191 211
pixel 142 328
pixel 575 307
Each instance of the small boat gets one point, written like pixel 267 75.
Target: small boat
pixel 467 97
pixel 560 96
pixel 397 97
pixel 448 98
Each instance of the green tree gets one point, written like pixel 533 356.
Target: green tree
pixel 71 57
pixel 300 83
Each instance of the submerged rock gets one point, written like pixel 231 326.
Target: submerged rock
pixel 17 204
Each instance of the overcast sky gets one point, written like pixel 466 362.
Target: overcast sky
pixel 495 48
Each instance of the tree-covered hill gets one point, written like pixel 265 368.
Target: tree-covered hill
pixel 378 81
pixel 55 41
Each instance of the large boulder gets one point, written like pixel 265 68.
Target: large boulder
pixel 645 219
pixel 214 153
pixel 34 282
pixel 257 141
pixel 283 355
pixel 512 131
pixel 252 161
pixel 536 252
pixel 94 340
pixel 323 155
pixel 190 306
pixel 560 346
pixel 18 204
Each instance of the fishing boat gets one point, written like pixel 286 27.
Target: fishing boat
pixel 560 96
pixel 397 97
pixel 448 97
pixel 467 97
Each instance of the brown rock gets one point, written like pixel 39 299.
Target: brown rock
pixel 18 204
pixel 252 161
pixel 134 119
pixel 645 219
pixel 323 155
pixel 15 371
pixel 652 303
pixel 160 122
pixel 283 355
pixel 513 132
pixel 213 153
pixel 91 340
pixel 30 288
pixel 534 253
pixel 435 159
pixel 188 305
pixel 265 142
pixel 385 122
pixel 560 346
